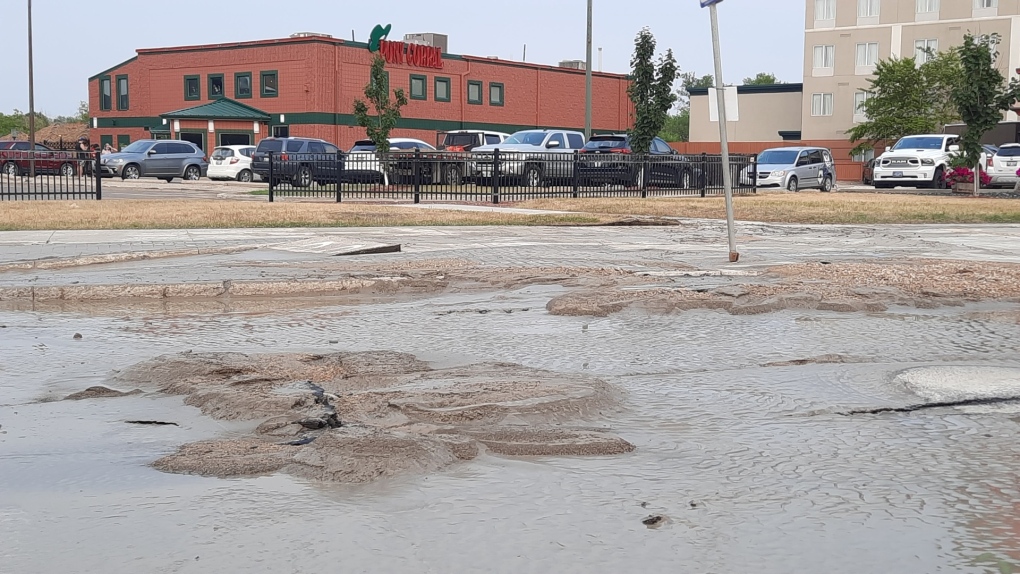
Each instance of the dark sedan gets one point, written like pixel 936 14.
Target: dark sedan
pixel 609 159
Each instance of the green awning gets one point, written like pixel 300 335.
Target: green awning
pixel 221 109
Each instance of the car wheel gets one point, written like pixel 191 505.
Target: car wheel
pixel 938 181
pixel 684 179
pixel 451 174
pixel 192 173
pixel 67 170
pixel 533 176
pixel 244 176
pixel 130 172
pixel 638 179
pixel 303 177
pixel 11 169
pixel 827 184
pixel 792 185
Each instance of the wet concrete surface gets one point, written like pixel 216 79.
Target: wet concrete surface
pixel 752 467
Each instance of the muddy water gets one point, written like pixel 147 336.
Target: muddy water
pixel 753 466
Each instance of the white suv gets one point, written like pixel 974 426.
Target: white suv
pixel 916 161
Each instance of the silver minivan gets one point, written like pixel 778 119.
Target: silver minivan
pixel 793 168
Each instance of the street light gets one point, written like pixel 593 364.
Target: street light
pixel 587 81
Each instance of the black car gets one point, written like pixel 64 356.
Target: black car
pixel 299 161
pixel 609 159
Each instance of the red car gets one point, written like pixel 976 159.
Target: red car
pixel 14 160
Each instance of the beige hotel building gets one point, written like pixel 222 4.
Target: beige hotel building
pixel 843 39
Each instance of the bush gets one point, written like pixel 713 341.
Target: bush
pixel 965 174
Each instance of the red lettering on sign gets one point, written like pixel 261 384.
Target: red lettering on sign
pixel 411 54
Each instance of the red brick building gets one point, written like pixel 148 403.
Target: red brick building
pixel 306 86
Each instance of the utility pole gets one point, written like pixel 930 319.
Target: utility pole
pixel 587 80
pixel 31 99
pixel 724 146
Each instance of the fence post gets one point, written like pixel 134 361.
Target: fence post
pixel 98 176
pixel 339 173
pixel 271 180
pixel 754 173
pixel 495 176
pixel 644 176
pixel 704 173
pixel 577 157
pixel 416 170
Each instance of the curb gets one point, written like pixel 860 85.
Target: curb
pixel 63 263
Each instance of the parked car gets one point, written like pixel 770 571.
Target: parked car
pixel 609 159
pixel 536 157
pixel 232 162
pixel 165 159
pixel 868 172
pixel 15 160
pixel 1004 164
pixel 454 168
pixel 299 161
pixel 363 163
pixel 793 168
pixel 916 161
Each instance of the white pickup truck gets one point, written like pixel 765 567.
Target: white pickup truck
pixel 916 161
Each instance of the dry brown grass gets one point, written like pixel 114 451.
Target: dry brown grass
pixel 807 208
pixel 185 214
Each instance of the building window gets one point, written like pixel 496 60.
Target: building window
pixel 859 114
pixel 867 54
pixel 474 92
pixel 868 8
pixel 925 50
pixel 215 86
pixel 242 85
pixel 419 87
pixel 105 94
pixel 821 104
pixel 927 6
pixel 122 93
pixel 825 9
pixel 442 89
pixel 824 57
pixel 982 4
pixel 192 88
pixel 270 84
pixel 495 94
pixel 866 155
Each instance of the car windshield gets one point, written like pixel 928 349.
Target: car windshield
pixel 529 138
pixel 778 157
pixel 363 145
pixel 1009 151
pixel 270 145
pixel 222 152
pixel 606 142
pixel 919 143
pixel 137 147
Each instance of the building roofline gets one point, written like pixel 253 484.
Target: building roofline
pixel 517 64
pixel 756 89
pixel 120 65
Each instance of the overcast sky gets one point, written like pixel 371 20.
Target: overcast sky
pixel 74 39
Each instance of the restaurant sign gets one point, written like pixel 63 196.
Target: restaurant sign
pixel 403 53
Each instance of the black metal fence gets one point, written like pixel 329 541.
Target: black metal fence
pixel 49 175
pixel 500 176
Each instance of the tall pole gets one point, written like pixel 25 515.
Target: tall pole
pixel 724 145
pixel 587 80
pixel 31 99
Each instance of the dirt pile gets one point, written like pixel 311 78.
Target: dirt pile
pixel 354 417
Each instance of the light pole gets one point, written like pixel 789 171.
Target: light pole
pixel 31 99
pixel 724 145
pixel 587 80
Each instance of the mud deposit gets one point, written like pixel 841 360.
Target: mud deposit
pixel 355 417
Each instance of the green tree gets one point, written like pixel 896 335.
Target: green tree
pixel 82 117
pixel 906 99
pixel 984 96
pixel 762 79
pixel 18 121
pixel 651 90
pixel 678 126
pixel 387 111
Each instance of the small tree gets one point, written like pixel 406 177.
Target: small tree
pixel 762 79
pixel 651 90
pixel 387 112
pixel 983 94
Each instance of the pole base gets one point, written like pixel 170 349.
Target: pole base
pixel 734 256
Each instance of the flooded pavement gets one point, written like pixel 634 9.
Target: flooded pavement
pixel 745 445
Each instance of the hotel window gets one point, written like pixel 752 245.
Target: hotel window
pixel 821 104
pixel 270 84
pixel 859 114
pixel 122 93
pixel 925 50
pixel 474 92
pixel 242 85
pixel 825 9
pixel 419 89
pixel 442 93
pixel 824 56
pixel 927 6
pixel 215 86
pixel 105 93
pixel 867 54
pixel 192 88
pixel 868 8
pixel 495 94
